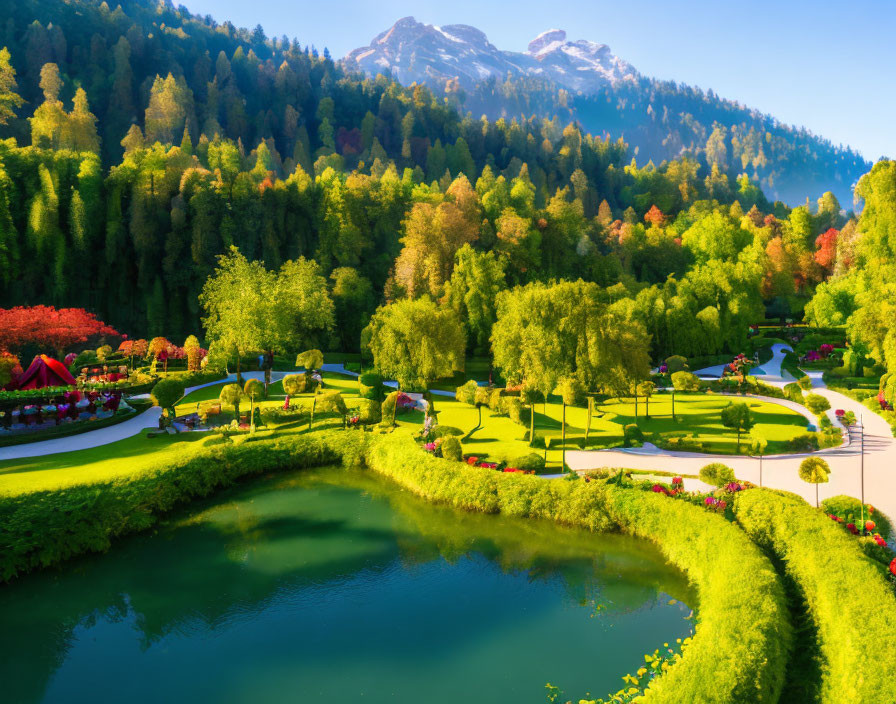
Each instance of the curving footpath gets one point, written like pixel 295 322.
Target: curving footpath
pixel 782 471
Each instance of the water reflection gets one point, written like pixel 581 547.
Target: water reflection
pixel 333 584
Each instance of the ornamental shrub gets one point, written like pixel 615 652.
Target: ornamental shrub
pixel 805 383
pixel 467 392
pixel 370 385
pixel 685 381
pixel 717 474
pixel 530 462
pixel 676 363
pixel 295 384
pixel 166 393
pixel 310 359
pixel 572 391
pixel 370 411
pixel 516 411
pixel 793 392
pixel 817 403
pixel 496 402
pixel 452 449
pixel 632 435
pixel 849 601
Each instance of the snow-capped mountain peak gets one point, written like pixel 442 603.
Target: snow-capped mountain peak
pixel 416 52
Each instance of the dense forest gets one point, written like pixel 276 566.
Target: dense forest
pixel 142 142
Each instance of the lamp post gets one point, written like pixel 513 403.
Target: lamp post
pixel 862 467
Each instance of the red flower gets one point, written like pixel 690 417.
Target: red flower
pixel 893 567
pixel 869 526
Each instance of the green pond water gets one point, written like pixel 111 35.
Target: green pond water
pixel 333 586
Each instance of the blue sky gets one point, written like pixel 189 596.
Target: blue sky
pixel 828 66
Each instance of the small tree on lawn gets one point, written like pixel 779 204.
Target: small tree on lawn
pixel 253 389
pixel 531 395
pixel 473 395
pixel 166 393
pixel 737 416
pixel 572 393
pixel 231 395
pixel 814 470
pixel 717 474
pixel 685 381
pixel 758 446
pixel 646 389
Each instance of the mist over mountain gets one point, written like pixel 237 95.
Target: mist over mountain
pixel 584 81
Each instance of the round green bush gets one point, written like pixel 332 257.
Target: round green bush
pixel 685 381
pixel 532 461
pixel 452 449
pixel 167 392
pixel 632 435
pixel 676 363
pixel 467 392
pixel 294 384
pixel 572 391
pixel 817 404
pixel 717 474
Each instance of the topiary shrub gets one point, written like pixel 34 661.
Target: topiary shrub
pixel 370 411
pixel 370 385
pixel 530 462
pixel 805 383
pixel 632 435
pixel 685 381
pixel 676 363
pixel 467 392
pixel 294 384
pixel 166 393
pixel 793 392
pixel 717 474
pixel 310 359
pixel 817 404
pixel 452 449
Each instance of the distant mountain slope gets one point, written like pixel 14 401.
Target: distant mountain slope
pixel 585 82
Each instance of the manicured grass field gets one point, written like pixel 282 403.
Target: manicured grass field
pixel 497 438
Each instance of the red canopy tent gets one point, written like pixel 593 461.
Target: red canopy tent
pixel 45 371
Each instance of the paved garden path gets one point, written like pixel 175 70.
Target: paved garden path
pixel 781 471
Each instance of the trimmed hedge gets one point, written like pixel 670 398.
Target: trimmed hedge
pixel 743 640
pixel 849 600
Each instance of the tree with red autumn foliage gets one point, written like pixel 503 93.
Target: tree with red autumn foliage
pixel 47 326
pixel 826 249
pixel 654 216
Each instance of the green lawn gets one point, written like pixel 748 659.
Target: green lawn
pixel 498 438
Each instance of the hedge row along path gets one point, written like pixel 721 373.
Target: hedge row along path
pixel 781 471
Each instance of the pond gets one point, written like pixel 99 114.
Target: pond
pixel 335 585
